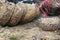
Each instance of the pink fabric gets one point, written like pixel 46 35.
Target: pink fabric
pixel 46 4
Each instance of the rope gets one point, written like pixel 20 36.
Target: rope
pixel 11 14
pixel 45 7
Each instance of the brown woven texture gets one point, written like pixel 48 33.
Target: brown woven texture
pixel 12 14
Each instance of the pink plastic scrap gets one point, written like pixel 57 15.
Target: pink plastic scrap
pixel 46 5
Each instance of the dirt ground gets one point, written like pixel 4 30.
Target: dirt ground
pixel 27 32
